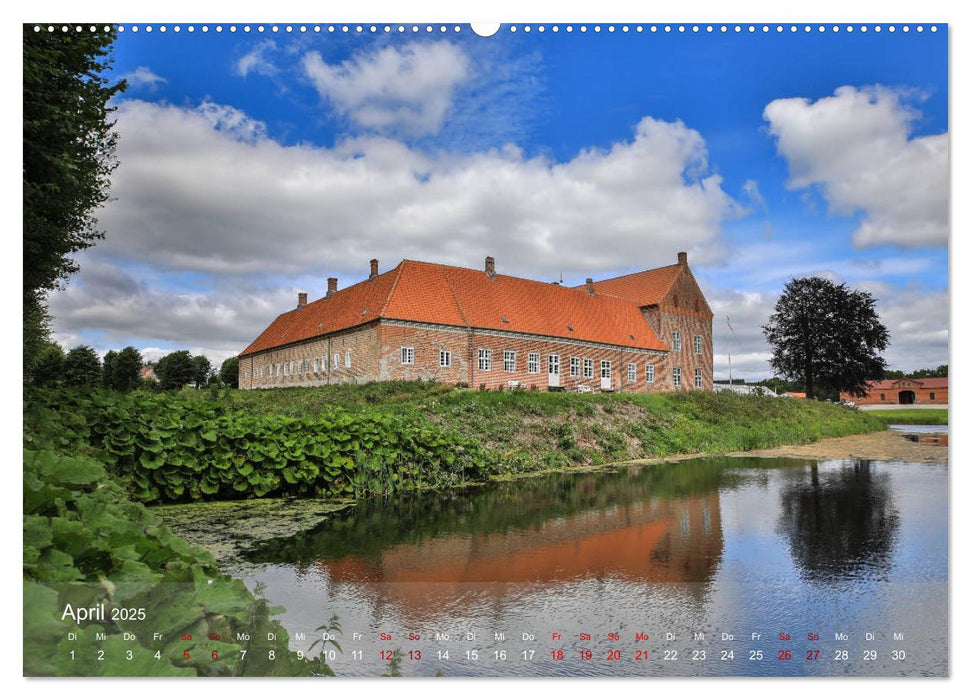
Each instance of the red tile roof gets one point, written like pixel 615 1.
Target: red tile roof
pixel 928 383
pixel 646 287
pixel 456 296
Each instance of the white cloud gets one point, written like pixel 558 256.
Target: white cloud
pixel 406 90
pixel 123 311
pixel 143 76
pixel 856 146
pixel 750 189
pixel 205 189
pixel 916 318
pixel 256 60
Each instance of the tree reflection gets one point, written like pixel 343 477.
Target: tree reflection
pixel 841 523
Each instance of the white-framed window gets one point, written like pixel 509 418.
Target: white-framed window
pixel 508 360
pixel 292 369
pixel 574 367
pixel 444 358
pixel 697 345
pixel 316 365
pixel 347 359
pixel 553 364
pixel 676 341
pixel 277 369
pixel 286 369
pixel 485 360
pixel 323 363
pixel 245 374
pixel 605 369
pixel 631 372
pixel 698 383
pixel 676 375
pixel 407 356
pixel 587 368
pixel 649 373
pixel 337 361
pixel 533 365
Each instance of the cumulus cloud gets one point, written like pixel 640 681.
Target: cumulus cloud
pixel 257 61
pixel 126 311
pixel 917 319
pixel 856 146
pixel 205 189
pixel 405 90
pixel 144 77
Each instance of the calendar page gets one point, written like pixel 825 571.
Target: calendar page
pixel 515 350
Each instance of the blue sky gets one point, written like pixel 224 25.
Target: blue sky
pixel 256 165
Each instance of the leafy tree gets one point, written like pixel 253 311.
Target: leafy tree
pixel 108 368
pixel 175 370
pixel 49 365
pixel 229 372
pixel 68 156
pixel 826 336
pixel 126 374
pixel 202 369
pixel 82 367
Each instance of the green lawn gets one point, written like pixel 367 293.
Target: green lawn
pixel 914 416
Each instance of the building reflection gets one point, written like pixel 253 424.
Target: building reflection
pixel 648 541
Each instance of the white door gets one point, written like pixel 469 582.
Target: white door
pixel 554 370
pixel 605 383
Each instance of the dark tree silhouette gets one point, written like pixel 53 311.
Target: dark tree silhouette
pixel 827 337
pixel 68 156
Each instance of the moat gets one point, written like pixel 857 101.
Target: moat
pixel 713 546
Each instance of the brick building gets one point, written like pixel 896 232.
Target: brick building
pixel 647 331
pixel 932 390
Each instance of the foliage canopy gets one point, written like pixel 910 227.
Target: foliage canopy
pixel 826 336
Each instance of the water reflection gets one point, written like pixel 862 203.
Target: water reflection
pixel 840 523
pixel 715 546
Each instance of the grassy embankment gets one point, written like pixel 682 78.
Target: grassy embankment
pixel 352 441
pixel 530 431
pixel 913 416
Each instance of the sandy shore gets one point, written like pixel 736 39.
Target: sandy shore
pixel 886 445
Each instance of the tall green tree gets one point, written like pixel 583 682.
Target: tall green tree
pixel 82 367
pixel 68 157
pixel 229 372
pixel 49 365
pixel 108 369
pixel 126 373
pixel 175 370
pixel 826 336
pixel 202 370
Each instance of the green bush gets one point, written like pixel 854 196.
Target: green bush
pixel 173 447
pixel 86 544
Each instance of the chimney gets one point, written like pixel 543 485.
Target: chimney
pixel 331 286
pixel 490 267
pixel 682 258
pixel 590 286
pixel 301 300
pixel 374 268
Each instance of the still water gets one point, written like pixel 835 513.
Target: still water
pixel 723 566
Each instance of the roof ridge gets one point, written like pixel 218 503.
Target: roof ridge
pixel 394 285
pixel 455 298
pixel 631 274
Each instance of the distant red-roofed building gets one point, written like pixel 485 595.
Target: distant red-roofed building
pixel 932 390
pixel 148 372
pixel 648 331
